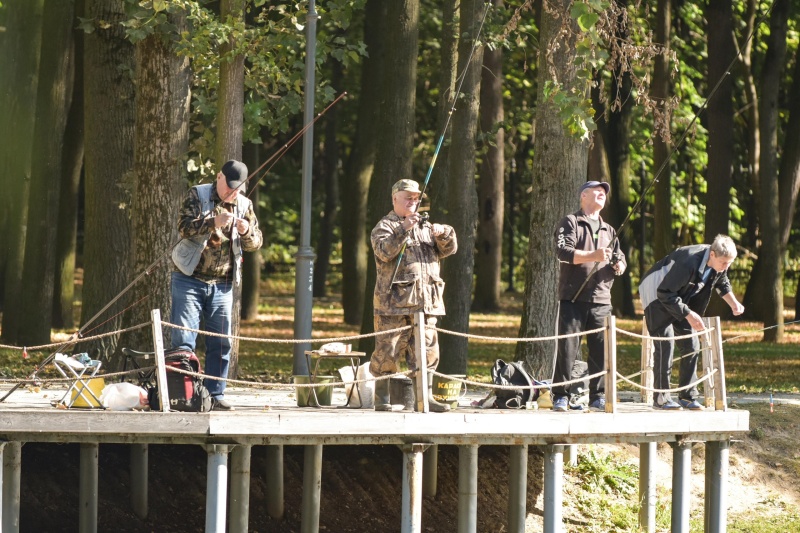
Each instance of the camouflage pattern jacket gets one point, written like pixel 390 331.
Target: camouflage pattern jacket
pixel 220 254
pixel 418 285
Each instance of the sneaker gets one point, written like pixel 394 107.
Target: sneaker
pixel 221 405
pixel 598 404
pixel 669 405
pixel 690 404
pixel 561 404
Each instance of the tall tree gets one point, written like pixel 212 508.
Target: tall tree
pixel 20 62
pixel 356 179
pixel 462 197
pixel 71 167
pixel 491 185
pixel 36 309
pixel 663 238
pixel 559 167
pixel 109 126
pixel 752 118
pixel 721 50
pixel 789 174
pixel 160 142
pixel 396 136
pixel 251 266
pixel 230 106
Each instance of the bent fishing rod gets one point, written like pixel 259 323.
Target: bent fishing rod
pixel 441 137
pixel 680 142
pixel 76 337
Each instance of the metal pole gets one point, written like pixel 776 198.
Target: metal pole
pixel 139 476
pixel 643 223
pixel 411 506
pixel 12 475
pixel 430 470
pixel 571 454
pixel 716 505
pixel 553 484
pixel 468 488
pixel 512 185
pixel 304 273
pixel 518 488
pixel 648 456
pixel 681 490
pixel 216 487
pixel 87 515
pixel 274 483
pixel 312 486
pixel 240 489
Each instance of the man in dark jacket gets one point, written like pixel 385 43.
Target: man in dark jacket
pixel 585 246
pixel 674 293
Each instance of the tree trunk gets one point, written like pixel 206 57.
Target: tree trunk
pixel 51 116
pixel 328 175
pixel 230 106
pixel 109 126
pixel 251 267
pixel 719 176
pixel 355 182
pixel 663 236
pixel 491 185
pixel 160 143
pixel 462 198
pixel 752 119
pixel 789 175
pixel 764 296
pixel 71 166
pixel 21 62
pixel 396 135
pixel 559 167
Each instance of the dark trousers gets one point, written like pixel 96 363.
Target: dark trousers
pixel 572 318
pixel 663 356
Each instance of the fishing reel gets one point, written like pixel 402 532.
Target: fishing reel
pixel 616 257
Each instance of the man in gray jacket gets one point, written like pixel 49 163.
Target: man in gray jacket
pixel 417 286
pixel 674 294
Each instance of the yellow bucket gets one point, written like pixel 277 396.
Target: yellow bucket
pixel 96 385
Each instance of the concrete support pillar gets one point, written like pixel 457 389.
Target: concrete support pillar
pixel 312 488
pixel 648 456
pixel 430 470
pixel 681 489
pixel 240 489
pixel 411 506
pixel 139 477
pixel 517 488
pixel 87 514
pixel 274 481
pixel 468 489
pixel 553 487
pixel 716 502
pixel 12 475
pixel 571 455
pixel 216 487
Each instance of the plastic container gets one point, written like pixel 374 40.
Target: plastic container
pixel 96 385
pixel 446 390
pixel 305 397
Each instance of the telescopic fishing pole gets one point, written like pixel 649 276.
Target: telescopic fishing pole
pixel 680 142
pixel 444 131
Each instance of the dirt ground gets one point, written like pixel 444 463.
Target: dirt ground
pixel 361 486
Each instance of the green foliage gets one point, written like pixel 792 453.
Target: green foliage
pixel 606 474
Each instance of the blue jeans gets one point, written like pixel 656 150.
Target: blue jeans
pixel 192 301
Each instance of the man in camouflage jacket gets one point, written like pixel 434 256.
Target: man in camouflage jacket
pixel 417 285
pixel 216 223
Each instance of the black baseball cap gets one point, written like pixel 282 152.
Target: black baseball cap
pixel 593 184
pixel 235 174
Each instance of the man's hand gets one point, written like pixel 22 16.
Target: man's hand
pixel 223 219
pixel 737 308
pixel 242 225
pixel 601 254
pixel 696 321
pixel 410 221
pixel 437 229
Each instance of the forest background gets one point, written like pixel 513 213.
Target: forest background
pixel 113 107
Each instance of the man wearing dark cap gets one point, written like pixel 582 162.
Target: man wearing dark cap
pixel 216 223
pixel 416 287
pixel 585 245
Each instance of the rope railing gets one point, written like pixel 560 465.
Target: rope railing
pixel 73 339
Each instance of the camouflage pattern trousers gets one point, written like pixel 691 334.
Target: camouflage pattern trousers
pixel 389 347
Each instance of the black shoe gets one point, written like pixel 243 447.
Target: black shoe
pixel 221 405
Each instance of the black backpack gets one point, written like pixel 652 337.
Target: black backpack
pixel 512 374
pixel 186 393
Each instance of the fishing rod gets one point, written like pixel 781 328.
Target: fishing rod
pixel 441 137
pixel 75 337
pixel 680 142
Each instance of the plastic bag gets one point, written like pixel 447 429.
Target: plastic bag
pixel 366 389
pixel 123 397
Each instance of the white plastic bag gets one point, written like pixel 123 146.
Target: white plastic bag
pixel 123 397
pixel 366 390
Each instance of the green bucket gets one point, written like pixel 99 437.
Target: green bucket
pixel 305 397
pixel 447 390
